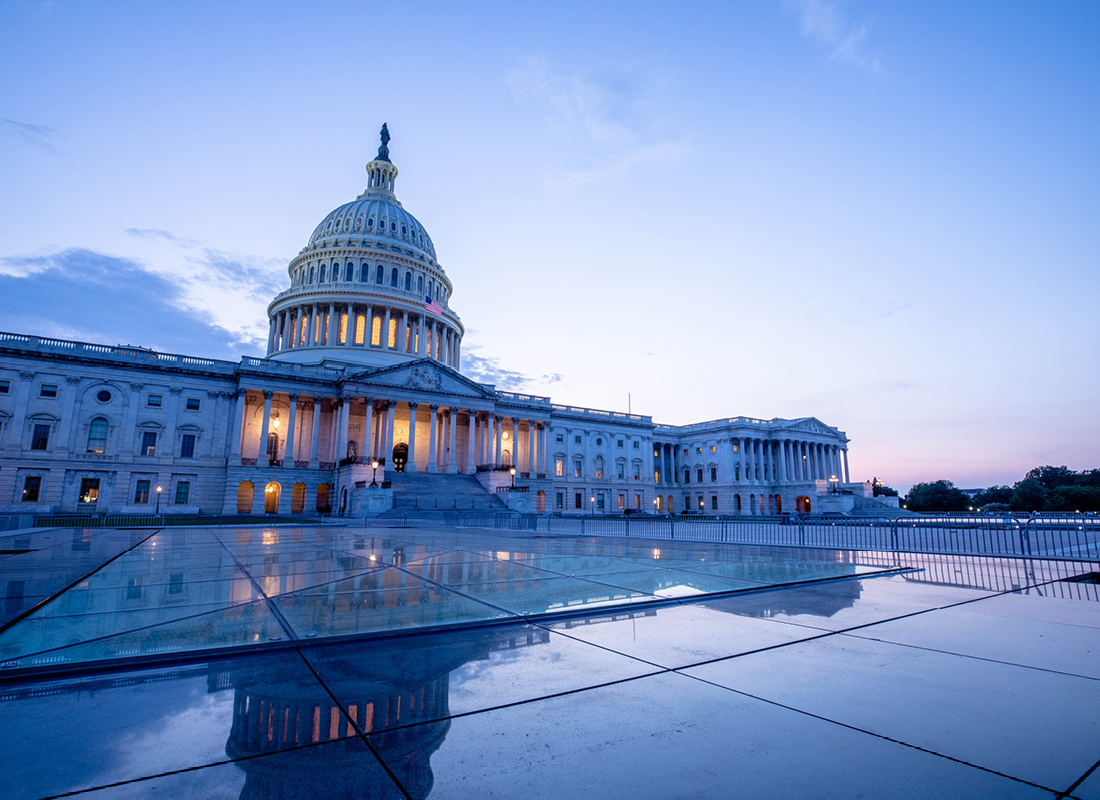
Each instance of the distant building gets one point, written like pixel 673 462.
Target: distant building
pixel 363 364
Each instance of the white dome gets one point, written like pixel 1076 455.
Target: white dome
pixel 373 217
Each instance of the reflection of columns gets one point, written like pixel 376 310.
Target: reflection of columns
pixel 316 432
pixel 431 438
pixel 453 424
pixel 471 467
pixel 291 433
pixel 410 465
pixel 844 452
pixel 261 455
pixel 498 431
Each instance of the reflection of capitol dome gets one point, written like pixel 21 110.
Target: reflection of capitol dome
pixel 359 289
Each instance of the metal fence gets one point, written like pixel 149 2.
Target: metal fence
pixel 1075 537
pixel 173 520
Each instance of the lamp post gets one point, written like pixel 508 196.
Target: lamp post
pixel 158 499
pixel 374 472
pixel 833 480
pixel 592 504
pixel 513 471
pixel 656 506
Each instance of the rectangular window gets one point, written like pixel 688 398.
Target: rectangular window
pixel 698 451
pixel 133 588
pixel 599 501
pixel 638 502
pixel 48 390
pixel 578 501
pixel 712 448
pixel 622 470
pixel 576 440
pixel 141 494
pixel 637 472
pixel 175 583
pixel 559 438
pixel 578 467
pixel 40 440
pixel 687 476
pixel 183 492
pixel 620 443
pixel 699 475
pixel 713 474
pixel 714 502
pixel 89 490
pixel 193 404
pixel 559 501
pixel 559 467
pixel 685 451
pixel 622 502
pixel 687 503
pixel 638 446
pixel 149 443
pixel 32 484
pixel 701 506
pixel 155 401
pixel 187 446
pixel 5 387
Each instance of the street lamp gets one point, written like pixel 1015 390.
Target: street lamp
pixel 158 499
pixel 833 480
pixel 374 472
pixel 656 506
pixel 513 471
pixel 592 504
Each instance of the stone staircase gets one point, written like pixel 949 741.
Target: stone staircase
pixel 425 491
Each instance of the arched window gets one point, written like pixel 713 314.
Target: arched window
pixel 349 273
pixel 324 505
pixel 322 279
pixel 380 275
pixel 343 328
pixel 97 435
pixel 393 277
pixel 392 338
pixel 419 284
pixel 375 332
pixel 408 281
pixel 360 328
pixel 429 287
pixel 599 466
pixel 311 274
pixel 364 273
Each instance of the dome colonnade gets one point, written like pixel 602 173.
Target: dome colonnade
pixel 367 288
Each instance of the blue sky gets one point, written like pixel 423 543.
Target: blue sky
pixel 883 215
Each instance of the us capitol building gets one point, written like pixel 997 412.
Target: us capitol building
pixel 363 366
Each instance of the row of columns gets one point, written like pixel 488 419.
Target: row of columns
pixel 319 325
pixel 772 460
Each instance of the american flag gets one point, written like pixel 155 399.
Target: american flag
pixel 433 306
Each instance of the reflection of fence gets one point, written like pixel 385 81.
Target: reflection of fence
pixel 1074 538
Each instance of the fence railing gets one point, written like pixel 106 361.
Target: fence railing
pixel 177 520
pixel 1071 538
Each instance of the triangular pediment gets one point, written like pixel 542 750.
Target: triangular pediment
pixel 424 375
pixel 810 425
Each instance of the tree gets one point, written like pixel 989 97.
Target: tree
pixel 1052 477
pixel 882 490
pixel 994 494
pixel 1074 498
pixel 936 496
pixel 1029 495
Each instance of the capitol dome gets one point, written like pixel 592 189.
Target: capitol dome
pixel 366 290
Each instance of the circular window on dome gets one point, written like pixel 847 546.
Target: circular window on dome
pixel 599 442
pixel 393 226
pixel 103 396
pixel 370 222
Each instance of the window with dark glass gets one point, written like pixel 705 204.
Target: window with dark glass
pixel 187 446
pixel 48 390
pixel 578 467
pixel 133 588
pixel 141 492
pixel 714 502
pixel 699 475
pixel 578 501
pixel 155 401
pixel 175 583
pixel 322 277
pixel 103 396
pixel 349 272
pixel 380 275
pixel 5 387
pixel 183 492
pixel 40 438
pixel 559 501
pixel 393 277
pixel 32 484
pixel 97 435
pixel 193 404
pixel 713 474
pixel 149 443
pixel 687 476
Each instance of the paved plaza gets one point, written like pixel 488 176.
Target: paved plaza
pixel 341 662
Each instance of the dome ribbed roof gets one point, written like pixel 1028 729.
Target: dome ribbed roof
pixel 374 216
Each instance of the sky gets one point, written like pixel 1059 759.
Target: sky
pixel 883 215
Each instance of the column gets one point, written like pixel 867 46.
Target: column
pixel 411 465
pixel 296 329
pixel 782 460
pixel 384 341
pixel 452 424
pixel 271 335
pixel 261 454
pixel 369 444
pixel 368 325
pixel 844 453
pixel 238 422
pixel 458 352
pixel 498 438
pixel 431 439
pixel 391 418
pixel 471 454
pixel 515 443
pixel 531 470
pixel 340 446
pixel 65 427
pixel 291 433
pixel 313 460
pixel 403 332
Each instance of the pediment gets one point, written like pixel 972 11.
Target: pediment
pixel 424 375
pixel 811 425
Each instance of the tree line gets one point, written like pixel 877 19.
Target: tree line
pixel 1041 489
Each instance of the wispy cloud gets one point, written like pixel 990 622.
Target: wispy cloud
pixel 827 23
pixel 157 233
pixel 488 369
pixel 39 135
pixel 613 120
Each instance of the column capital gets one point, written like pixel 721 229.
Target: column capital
pixel 268 394
pixel 294 398
pixel 434 407
pixel 176 390
pixel 414 405
pixel 29 376
pixel 134 387
pixel 72 380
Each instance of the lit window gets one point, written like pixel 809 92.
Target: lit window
pixel 149 443
pixel 712 448
pixel 343 328
pixel 141 492
pixel 183 492
pixel 622 502
pixel 698 451
pixel 599 466
pixel 360 328
pixel 559 467
pixel 376 331
pixel 193 404
pixel 187 446
pixel 685 451
pixel 48 390
pixel 97 435
pixel 32 484
pixel 638 502
pixel 701 506
pixel 155 401
pixel 40 439
pixel 392 338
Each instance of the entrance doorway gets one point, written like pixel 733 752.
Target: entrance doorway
pixel 400 457
pixel 802 504
pixel 271 498
pixel 89 493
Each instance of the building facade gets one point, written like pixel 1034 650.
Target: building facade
pixel 363 366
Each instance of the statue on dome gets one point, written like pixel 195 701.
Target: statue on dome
pixel 385 134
